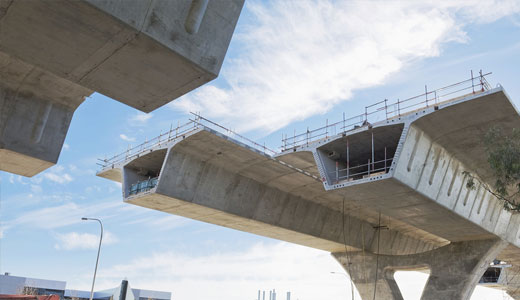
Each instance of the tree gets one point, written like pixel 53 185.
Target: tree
pixel 503 156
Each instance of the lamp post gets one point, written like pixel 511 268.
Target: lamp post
pixel 99 249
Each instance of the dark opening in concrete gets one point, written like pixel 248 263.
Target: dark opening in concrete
pixel 141 174
pixel 363 154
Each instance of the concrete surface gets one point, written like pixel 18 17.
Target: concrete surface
pixel 137 52
pixel 257 195
pixel 422 197
pixel 36 108
pixel 455 270
pixel 143 53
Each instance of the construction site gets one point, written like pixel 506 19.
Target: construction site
pixel 382 191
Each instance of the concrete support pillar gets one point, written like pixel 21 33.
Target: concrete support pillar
pixel 455 270
pixel 509 280
pixel 36 108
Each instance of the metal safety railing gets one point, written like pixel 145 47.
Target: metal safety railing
pixel 143 186
pixel 162 139
pixel 386 109
pixel 196 123
pixel 201 121
pixel 362 170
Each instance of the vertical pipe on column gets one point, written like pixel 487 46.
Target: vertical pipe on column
pixel 124 289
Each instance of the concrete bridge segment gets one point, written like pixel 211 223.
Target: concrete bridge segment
pixel 143 53
pixel 298 195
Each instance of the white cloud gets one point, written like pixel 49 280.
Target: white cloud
pixel 168 222
pixel 58 174
pixel 140 118
pixel 36 189
pixel 66 146
pixel 124 137
pixel 74 240
pixel 301 58
pixel 62 178
pixel 234 275
pixel 61 215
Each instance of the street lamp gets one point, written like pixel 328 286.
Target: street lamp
pixel 99 249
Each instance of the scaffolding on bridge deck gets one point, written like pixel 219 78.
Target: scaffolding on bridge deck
pixel 194 124
pixel 386 110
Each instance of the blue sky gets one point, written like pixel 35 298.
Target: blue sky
pixel 290 65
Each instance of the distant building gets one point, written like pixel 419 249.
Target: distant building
pixel 272 295
pixel 14 285
pixel 29 297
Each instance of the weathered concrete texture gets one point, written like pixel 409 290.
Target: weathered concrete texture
pixel 425 186
pixel 138 52
pixel 53 54
pixel 422 198
pixel 455 270
pixel 510 276
pixel 510 281
pixel 246 195
pixel 36 108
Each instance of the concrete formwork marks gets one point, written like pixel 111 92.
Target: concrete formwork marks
pixel 213 190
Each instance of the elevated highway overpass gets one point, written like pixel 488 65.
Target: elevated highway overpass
pixel 381 196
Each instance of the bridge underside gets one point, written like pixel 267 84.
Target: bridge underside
pixel 418 204
pixel 143 53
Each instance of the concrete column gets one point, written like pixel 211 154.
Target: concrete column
pixel 455 270
pixel 36 108
pixel 509 280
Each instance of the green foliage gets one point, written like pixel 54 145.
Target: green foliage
pixel 504 158
pixel 503 155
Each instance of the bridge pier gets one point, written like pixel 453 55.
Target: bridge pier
pixel 455 270
pixel 36 108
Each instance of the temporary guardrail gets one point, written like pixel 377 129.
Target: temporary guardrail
pixel 196 123
pixel 386 109
pixel 143 185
